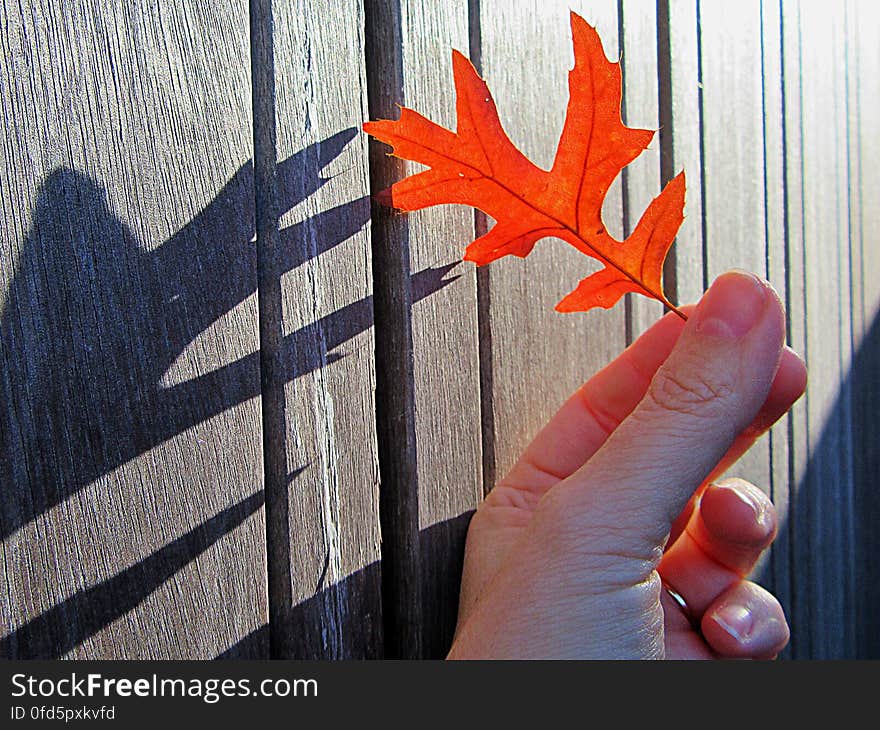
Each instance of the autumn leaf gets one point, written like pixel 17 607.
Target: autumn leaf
pixel 479 166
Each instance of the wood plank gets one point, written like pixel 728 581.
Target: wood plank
pixel 828 485
pixel 327 592
pixel 445 346
pixel 776 574
pixel 680 135
pixel 395 382
pixel 863 92
pixel 130 442
pixel 734 205
pixel 641 179
pixel 428 352
pixel 795 524
pixel 538 356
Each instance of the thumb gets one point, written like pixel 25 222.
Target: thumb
pixel 709 389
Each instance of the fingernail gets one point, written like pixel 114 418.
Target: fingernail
pixel 757 506
pixel 732 306
pixel 735 620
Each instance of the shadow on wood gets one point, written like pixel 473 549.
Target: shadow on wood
pixel 91 323
pixel 440 587
pixel 93 320
pixel 833 525
pixel 66 625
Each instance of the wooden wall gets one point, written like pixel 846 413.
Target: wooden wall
pixel 245 412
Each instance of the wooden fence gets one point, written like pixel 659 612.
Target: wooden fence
pixel 216 444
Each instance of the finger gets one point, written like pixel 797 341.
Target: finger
pixel 733 523
pixel 746 622
pixel 585 420
pixel 710 388
pixel 681 639
pixel 788 385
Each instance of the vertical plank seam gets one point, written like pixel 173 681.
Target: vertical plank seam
pixel 846 394
pixel 700 123
pixel 484 294
pixel 771 434
pixel 806 597
pixel 278 581
pixel 394 363
pixel 789 428
pixel 664 118
pixel 628 309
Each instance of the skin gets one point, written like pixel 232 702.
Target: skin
pixel 615 507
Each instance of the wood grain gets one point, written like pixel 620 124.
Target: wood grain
pixel 326 544
pixel 130 444
pixel 156 361
pixel 538 356
pixel 827 489
pixel 734 198
pixel 680 140
pixel 445 347
pixel 863 101
pixel 795 522
pixel 641 98
pixel 428 353
pixel 776 570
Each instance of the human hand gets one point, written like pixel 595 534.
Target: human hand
pixel 569 554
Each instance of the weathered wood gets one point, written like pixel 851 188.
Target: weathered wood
pixel 826 500
pixel 132 439
pixel 680 148
pixel 130 446
pixel 538 356
pixel 776 571
pixel 734 205
pixel 428 366
pixel 641 179
pixel 395 383
pixel 325 547
pixel 863 99
pixel 445 347
pixel 794 524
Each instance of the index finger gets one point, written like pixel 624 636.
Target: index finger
pixel 597 408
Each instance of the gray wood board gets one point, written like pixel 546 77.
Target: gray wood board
pixel 826 503
pixel 734 201
pixel 445 347
pixel 427 349
pixel 680 140
pixel 130 444
pixel 539 357
pixel 641 98
pixel 325 545
pixel 863 95
pixel 794 524
pixel 775 573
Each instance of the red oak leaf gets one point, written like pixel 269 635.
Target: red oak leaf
pixel 478 166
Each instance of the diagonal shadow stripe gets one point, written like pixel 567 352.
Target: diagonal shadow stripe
pixel 93 319
pixel 52 634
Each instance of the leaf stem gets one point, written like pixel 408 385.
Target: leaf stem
pixel 675 309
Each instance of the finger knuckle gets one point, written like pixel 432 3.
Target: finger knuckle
pixel 694 394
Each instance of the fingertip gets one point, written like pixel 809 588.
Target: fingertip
pixel 746 622
pixel 732 306
pixel 735 512
pixel 788 385
pixel 793 371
